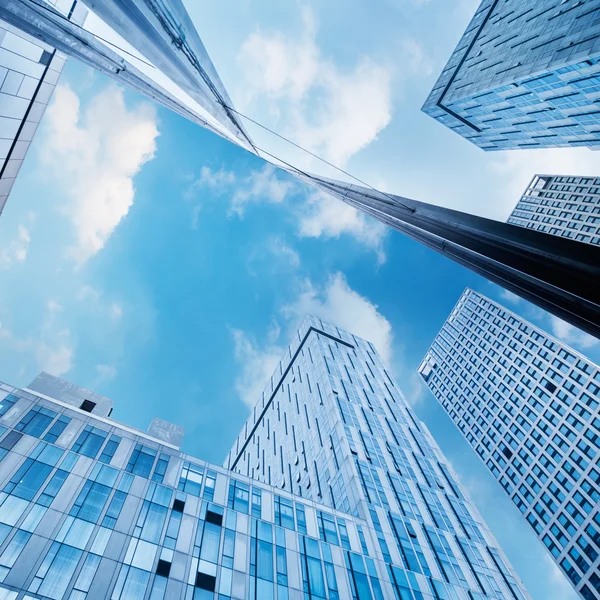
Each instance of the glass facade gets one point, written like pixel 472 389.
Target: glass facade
pixel 333 427
pixel 91 509
pixel 29 71
pixel 561 205
pixel 530 407
pixel 525 74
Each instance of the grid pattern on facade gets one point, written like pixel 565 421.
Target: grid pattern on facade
pixel 29 71
pixel 561 205
pixel 333 426
pixel 530 407
pixel 92 510
pixel 525 74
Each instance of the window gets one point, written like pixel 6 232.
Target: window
pixel 239 496
pixel 56 429
pixel 29 478
pixel 209 486
pixel 110 449
pixel 161 468
pixel 88 406
pixel 7 404
pixel 284 513
pixel 90 441
pixel 141 461
pixel 190 481
pixel 36 421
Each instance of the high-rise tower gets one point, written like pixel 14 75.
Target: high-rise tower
pixel 525 74
pixel 93 509
pixel 568 206
pixel 333 427
pixel 530 407
pixel 29 71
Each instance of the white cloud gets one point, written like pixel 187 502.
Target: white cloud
pixel 509 296
pixel 278 247
pixel 570 334
pixel 340 305
pixel 51 349
pixel 105 372
pixel 336 303
pixel 94 154
pixel 16 249
pixel 261 185
pixel 331 112
pixel 515 169
pixel 256 364
pixel 325 215
pixel 115 311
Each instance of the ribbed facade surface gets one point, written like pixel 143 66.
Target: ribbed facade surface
pixel 561 205
pixel 525 74
pixel 530 407
pixel 92 509
pixel 29 72
pixel 333 427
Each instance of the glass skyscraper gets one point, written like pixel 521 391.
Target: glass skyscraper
pixel 561 205
pixel 364 508
pixel 530 407
pixel 525 74
pixel 29 71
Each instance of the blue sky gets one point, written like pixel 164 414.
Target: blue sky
pixel 166 268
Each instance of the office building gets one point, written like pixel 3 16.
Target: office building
pixel 175 70
pixel 551 271
pixel 529 406
pixel 93 509
pixel 29 71
pixel 333 427
pixel 525 74
pixel 561 205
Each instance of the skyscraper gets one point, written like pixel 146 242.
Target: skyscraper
pixel 561 205
pixel 530 407
pixel 550 271
pixel 29 71
pixel 91 508
pixel 333 427
pixel 524 75
pixel 167 61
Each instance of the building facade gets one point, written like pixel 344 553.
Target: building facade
pixel 530 407
pixel 334 428
pixel 29 72
pixel 525 74
pixel 561 205
pixel 92 509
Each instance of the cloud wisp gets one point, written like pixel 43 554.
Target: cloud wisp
pixel 93 154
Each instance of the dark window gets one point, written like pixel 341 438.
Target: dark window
pixel 88 406
pixel 11 438
pixel 163 568
pixel 507 452
pixel 206 582
pixel 213 517
pixel 550 387
pixel 45 58
pixel 178 505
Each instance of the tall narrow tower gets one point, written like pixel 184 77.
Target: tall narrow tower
pixel 334 428
pixel 530 407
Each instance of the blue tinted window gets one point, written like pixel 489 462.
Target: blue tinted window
pixel 90 441
pixel 141 461
pixel 28 479
pixel 36 421
pixel 7 404
pixel 110 449
pixel 57 429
